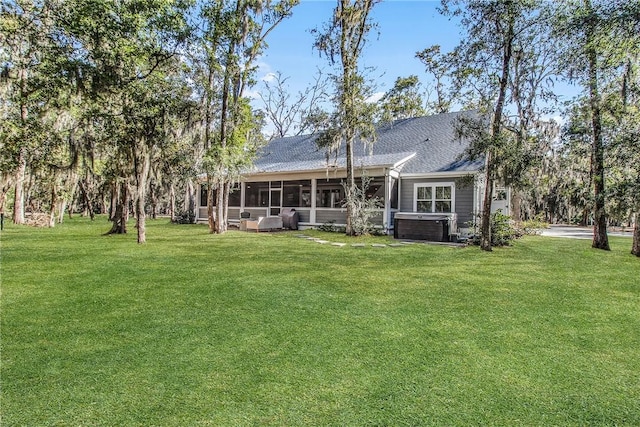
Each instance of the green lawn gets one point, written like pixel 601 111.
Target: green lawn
pixel 248 329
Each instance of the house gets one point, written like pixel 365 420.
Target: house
pixel 414 166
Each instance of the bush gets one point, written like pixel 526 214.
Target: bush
pixel 331 227
pixel 362 208
pixel 185 217
pixel 534 226
pixel 503 230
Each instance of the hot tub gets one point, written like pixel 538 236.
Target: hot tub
pixel 433 227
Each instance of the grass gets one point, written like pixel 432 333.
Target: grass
pixel 243 329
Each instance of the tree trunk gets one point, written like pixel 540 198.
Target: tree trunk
pixel 119 218
pixel 153 199
pixel 226 188
pixel 211 216
pixel 496 129
pixel 104 208
pixel 54 203
pixel 88 204
pixel 485 221
pixel 142 165
pixel 18 200
pixel 113 204
pixel 220 219
pixel 21 171
pixel 62 207
pixel 350 184
pixel 72 196
pixel 635 247
pixel 127 205
pixel 124 213
pixel 172 202
pixel 349 68
pixel 600 238
pixel 3 202
pixel 189 201
pixel 516 205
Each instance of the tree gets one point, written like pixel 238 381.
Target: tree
pixel 345 37
pixel 128 51
pixel 534 68
pixel 42 82
pixel 621 114
pixel 600 238
pixel 233 37
pixel 290 114
pixel 402 101
pixel 566 195
pixel 484 64
pixel 24 26
pixel 594 40
pixel 438 65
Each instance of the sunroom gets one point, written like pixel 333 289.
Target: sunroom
pixel 318 196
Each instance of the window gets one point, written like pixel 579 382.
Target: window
pixel 394 193
pixel 256 194
pixel 234 196
pixel 376 190
pixel 204 193
pixel 499 192
pixel 330 194
pixel 434 198
pixel 296 193
pixel 443 199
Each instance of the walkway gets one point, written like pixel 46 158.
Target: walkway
pixel 576 232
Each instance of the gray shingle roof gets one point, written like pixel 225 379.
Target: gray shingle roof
pixel 429 143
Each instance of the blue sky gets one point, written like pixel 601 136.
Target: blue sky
pixel 404 28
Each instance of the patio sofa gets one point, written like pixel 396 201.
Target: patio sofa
pixel 263 223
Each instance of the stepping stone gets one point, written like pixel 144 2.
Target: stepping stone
pixel 408 243
pixel 322 242
pixel 396 245
pixel 302 236
pixel 358 245
pixel 338 244
pixel 378 245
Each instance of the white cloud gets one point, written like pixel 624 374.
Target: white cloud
pixel 560 120
pixel 374 98
pixel 265 74
pixel 264 71
pixel 269 77
pixel 251 93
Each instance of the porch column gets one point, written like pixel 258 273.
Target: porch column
pixel 312 213
pixel 242 192
pixel 386 213
pixel 478 186
pixel 196 206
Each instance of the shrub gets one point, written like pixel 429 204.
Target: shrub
pixel 503 230
pixel 331 227
pixel 185 217
pixel 362 208
pixel 534 226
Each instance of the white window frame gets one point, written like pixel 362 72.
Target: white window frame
pixel 433 186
